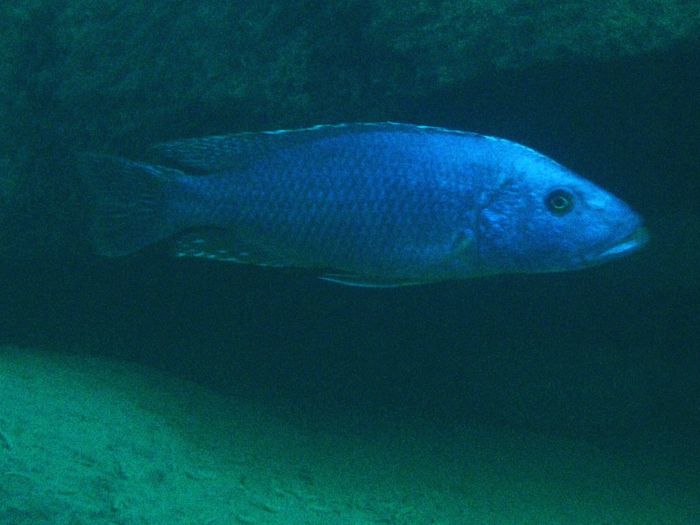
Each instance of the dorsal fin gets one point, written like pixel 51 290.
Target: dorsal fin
pixel 233 152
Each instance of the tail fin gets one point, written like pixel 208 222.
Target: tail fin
pixel 131 203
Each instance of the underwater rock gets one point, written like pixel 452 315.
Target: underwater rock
pixel 113 71
pixel 450 41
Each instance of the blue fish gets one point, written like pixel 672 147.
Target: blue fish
pixel 367 204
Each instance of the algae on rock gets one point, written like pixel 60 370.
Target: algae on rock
pixel 115 72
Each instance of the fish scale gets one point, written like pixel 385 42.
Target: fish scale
pixel 377 204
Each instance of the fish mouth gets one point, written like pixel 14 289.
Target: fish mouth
pixel 631 243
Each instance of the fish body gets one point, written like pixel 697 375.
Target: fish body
pixel 368 204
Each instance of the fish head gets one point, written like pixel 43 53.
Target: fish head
pixel 541 217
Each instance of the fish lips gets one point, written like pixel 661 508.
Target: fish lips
pixel 624 246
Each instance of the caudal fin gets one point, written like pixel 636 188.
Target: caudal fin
pixel 130 203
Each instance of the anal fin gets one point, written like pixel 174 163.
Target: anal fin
pixel 223 245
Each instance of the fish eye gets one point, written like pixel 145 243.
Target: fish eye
pixel 560 202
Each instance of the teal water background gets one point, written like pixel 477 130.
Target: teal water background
pixel 610 355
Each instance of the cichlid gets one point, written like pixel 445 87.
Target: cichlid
pixel 376 204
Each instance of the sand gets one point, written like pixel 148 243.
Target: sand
pixel 88 440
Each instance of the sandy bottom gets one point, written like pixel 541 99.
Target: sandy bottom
pixel 85 440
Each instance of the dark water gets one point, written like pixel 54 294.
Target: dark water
pixel 610 355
